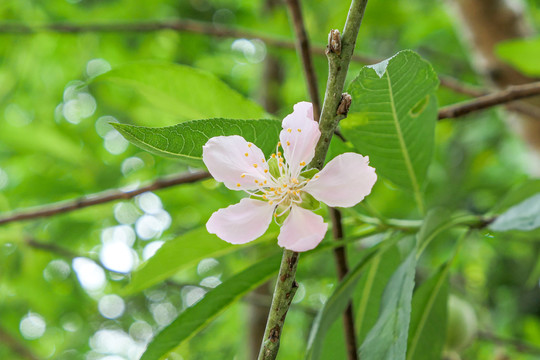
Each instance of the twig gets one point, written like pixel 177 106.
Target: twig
pixel 101 198
pixel 338 66
pixel 50 247
pixel 340 257
pixel 512 93
pixel 302 43
pixel 517 344
pixel 16 346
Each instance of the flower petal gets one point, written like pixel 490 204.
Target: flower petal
pixel 344 181
pixel 299 136
pixel 235 162
pixel 303 230
pixel 242 222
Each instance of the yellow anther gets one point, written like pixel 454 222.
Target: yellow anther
pixel 279 143
pixel 316 176
pixel 255 165
pixel 284 185
pixel 265 181
pixel 303 163
pixel 246 154
pixel 275 214
pixel 238 185
pixel 289 130
pixel 263 160
pixel 264 197
pixel 288 143
pixel 272 189
pixel 265 170
pixel 288 191
pixel 249 144
pixel 274 156
pixel 280 164
pixel 279 153
pixel 256 181
pixel 299 130
pixel 270 202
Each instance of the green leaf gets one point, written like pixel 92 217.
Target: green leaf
pixel 388 338
pixel 427 332
pixel 370 289
pixel 186 140
pixel 524 216
pixel 335 305
pixel 182 91
pixel 196 317
pixel 517 194
pixel 523 54
pixel 392 118
pixel 175 255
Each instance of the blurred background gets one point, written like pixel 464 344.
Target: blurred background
pixel 60 277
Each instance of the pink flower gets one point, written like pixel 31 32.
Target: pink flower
pixel 278 188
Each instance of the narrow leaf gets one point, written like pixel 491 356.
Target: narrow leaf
pixel 334 306
pixel 186 140
pixel 392 118
pixel 181 91
pixel 388 338
pixel 196 317
pixel 524 216
pixel 427 332
pixel 175 255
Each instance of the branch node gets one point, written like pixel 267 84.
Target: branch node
pixel 344 104
pixel 334 42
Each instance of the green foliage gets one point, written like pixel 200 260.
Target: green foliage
pixel 521 54
pixel 388 337
pixel 193 319
pixel 392 118
pixel 182 91
pixel 524 216
pixel 186 140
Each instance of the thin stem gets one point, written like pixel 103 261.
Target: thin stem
pixel 338 66
pixel 303 48
pixel 512 93
pixel 340 257
pixel 101 198
pixel 284 291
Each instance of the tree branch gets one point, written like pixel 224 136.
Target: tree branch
pixel 512 93
pixel 340 256
pixel 338 63
pixel 101 198
pixel 16 346
pixel 303 49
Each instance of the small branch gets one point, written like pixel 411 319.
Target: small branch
pixel 520 346
pixel 16 346
pixel 286 287
pixel 101 198
pixel 340 257
pixel 50 247
pixel 303 48
pixel 512 93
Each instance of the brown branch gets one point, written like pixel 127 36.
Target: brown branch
pixel 520 346
pixel 101 198
pixel 16 346
pixel 340 257
pixel 303 49
pixel 512 93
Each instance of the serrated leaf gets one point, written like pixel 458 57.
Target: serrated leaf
pixel 392 118
pixel 524 216
pixel 335 305
pixel 387 340
pixel 182 91
pixel 523 54
pixel 427 332
pixel 175 255
pixel 186 140
pixel 196 317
